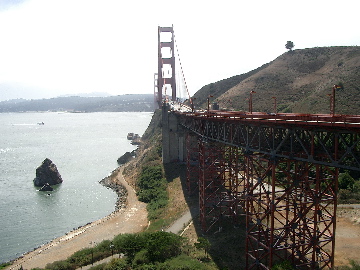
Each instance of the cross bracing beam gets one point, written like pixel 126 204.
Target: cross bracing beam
pixel 330 146
pixel 290 213
pixel 285 184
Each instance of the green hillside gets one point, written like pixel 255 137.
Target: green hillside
pixel 300 80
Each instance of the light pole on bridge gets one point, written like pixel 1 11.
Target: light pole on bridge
pixel 250 101
pixel 192 104
pixel 332 99
pixel 208 103
pixel 275 106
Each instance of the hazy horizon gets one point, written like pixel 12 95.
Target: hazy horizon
pixel 58 47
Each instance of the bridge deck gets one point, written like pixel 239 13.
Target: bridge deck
pixel 318 120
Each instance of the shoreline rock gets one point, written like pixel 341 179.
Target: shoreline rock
pixel 119 189
pixel 125 158
pixel 47 173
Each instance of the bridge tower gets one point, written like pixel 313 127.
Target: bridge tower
pixel 166 64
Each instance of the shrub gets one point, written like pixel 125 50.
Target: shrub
pixel 117 264
pixel 98 267
pixel 129 244
pixel 285 265
pixel 162 246
pixel 152 191
pixel 142 257
pixel 182 262
pixel 346 181
pixel 3 265
pixel 81 257
pixel 61 265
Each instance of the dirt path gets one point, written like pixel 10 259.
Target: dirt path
pixel 347 237
pixel 131 219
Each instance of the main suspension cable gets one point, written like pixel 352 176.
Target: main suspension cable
pixel 181 68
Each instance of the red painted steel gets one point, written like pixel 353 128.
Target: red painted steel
pixel 280 169
pixel 283 175
pixel 166 81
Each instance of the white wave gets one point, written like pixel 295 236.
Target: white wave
pixel 4 150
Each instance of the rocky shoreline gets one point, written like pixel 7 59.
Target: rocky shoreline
pixel 129 216
pixel 119 189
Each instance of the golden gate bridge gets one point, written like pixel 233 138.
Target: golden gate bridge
pixel 278 170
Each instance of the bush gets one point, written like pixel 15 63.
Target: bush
pixel 129 244
pixel 162 246
pixel 285 265
pixel 98 267
pixel 81 257
pixel 149 247
pixel 142 257
pixel 3 265
pixel 117 264
pixel 182 262
pixel 346 181
pixel 61 265
pixel 152 191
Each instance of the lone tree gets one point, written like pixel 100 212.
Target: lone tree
pixel 289 45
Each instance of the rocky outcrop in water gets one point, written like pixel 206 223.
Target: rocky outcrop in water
pixel 47 173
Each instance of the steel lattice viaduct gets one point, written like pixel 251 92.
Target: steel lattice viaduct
pixel 279 170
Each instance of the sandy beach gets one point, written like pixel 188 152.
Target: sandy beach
pixel 130 218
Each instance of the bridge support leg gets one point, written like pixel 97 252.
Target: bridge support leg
pixel 192 163
pixel 291 213
pixel 173 137
pixel 218 184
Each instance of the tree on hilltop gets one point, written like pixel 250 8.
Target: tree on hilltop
pixel 289 45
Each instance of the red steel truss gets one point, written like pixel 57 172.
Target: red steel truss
pixel 192 163
pixel 282 176
pixel 166 65
pixel 291 213
pixel 220 191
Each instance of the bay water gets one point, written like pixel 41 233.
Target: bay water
pixel 84 147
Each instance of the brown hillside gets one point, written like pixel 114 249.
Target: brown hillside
pixel 300 80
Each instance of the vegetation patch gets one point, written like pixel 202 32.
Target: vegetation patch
pixel 146 250
pixel 349 188
pixel 152 191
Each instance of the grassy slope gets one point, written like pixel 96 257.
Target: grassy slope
pixel 300 80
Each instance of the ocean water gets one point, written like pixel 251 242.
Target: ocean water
pixel 84 147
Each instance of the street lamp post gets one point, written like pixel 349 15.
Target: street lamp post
pixel 275 106
pixel 332 103
pixel 208 103
pixel 192 104
pixel 231 105
pixel 250 101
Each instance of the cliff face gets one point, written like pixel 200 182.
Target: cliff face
pixel 300 80
pixel 148 152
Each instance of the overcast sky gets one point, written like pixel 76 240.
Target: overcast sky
pixel 57 47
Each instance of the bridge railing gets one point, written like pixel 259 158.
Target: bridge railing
pixel 339 121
